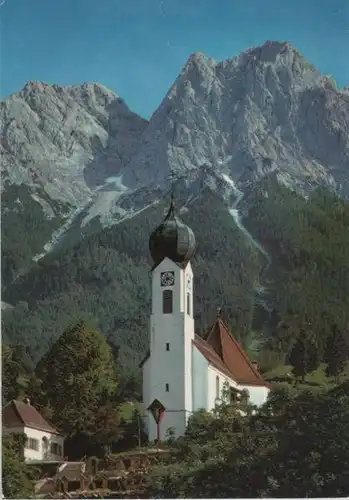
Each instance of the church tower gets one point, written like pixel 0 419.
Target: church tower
pixel 167 370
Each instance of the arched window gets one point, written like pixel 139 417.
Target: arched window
pixel 217 387
pixel 167 301
pixel 188 304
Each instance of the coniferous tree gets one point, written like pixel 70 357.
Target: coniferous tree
pixel 336 352
pixel 304 356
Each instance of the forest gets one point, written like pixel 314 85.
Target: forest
pixel 295 445
pixel 105 279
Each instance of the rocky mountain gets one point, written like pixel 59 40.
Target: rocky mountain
pixel 76 159
pixel 58 145
pixel 67 140
pixel 267 109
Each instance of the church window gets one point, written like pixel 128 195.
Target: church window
pixel 188 303
pixel 167 346
pixel 167 301
pixel 167 387
pixel 217 387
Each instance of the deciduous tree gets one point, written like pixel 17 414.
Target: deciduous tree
pixel 78 375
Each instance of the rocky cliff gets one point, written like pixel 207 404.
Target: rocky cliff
pixel 66 140
pixel 80 156
pixel 267 109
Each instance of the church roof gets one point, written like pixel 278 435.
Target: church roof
pixel 17 413
pixel 225 353
pixel 172 239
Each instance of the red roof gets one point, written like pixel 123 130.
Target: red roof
pixel 224 353
pixel 17 413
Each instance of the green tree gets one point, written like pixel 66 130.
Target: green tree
pixel 297 445
pixel 304 356
pixel 336 352
pixel 16 475
pixel 15 366
pixel 77 376
pixel 10 373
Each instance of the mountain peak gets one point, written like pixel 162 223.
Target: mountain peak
pixel 199 62
pixel 271 50
pixel 34 86
pixel 261 109
pixel 199 57
pixel 37 86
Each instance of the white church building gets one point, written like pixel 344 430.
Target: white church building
pixel 182 372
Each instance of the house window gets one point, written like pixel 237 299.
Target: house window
pixel 56 449
pixel 167 301
pixel 167 387
pixel 188 304
pixel 32 444
pixel 217 387
pixel 167 346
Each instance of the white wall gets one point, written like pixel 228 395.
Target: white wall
pixel 213 373
pixel 39 454
pixel 258 394
pixel 173 367
pixel 200 380
pixel 146 392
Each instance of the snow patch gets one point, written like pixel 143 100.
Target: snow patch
pixel 117 181
pixel 5 305
pixel 234 212
pixel 45 206
pixel 56 235
pixel 105 199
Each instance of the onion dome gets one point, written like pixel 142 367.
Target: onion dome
pixel 172 239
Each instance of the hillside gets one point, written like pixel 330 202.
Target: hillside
pixel 105 278
pixel 58 145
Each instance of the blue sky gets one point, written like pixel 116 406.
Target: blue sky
pixel 138 47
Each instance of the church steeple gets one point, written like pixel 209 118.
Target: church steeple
pixel 168 371
pixel 172 238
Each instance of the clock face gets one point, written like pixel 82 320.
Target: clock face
pixel 167 278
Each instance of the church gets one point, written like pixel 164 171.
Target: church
pixel 182 372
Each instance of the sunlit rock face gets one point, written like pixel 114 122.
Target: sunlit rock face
pixel 267 109
pixel 66 140
pixel 82 155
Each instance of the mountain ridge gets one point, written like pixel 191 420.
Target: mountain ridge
pixel 81 160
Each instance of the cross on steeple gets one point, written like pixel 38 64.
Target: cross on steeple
pixel 171 179
pixel 219 312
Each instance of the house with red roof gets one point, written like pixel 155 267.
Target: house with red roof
pixel 43 441
pixel 182 372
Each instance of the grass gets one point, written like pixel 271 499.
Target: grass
pixel 316 378
pixel 144 450
pixel 278 372
pixel 127 410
